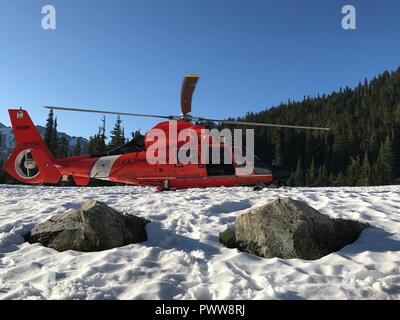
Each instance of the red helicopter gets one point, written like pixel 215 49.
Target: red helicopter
pixel 31 161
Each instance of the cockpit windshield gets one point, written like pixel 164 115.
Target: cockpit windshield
pixel 260 167
pixel 135 145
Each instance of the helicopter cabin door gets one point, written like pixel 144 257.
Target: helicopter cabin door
pixel 221 169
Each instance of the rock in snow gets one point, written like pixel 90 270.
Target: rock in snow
pixel 286 228
pixel 228 238
pixel 94 227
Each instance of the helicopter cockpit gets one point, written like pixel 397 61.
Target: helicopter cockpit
pixel 134 145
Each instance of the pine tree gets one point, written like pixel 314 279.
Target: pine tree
pixel 365 173
pixel 102 136
pixel 97 143
pixel 77 149
pixel 340 180
pixel 299 178
pixel 353 172
pixel 397 114
pixel 62 147
pixel 54 139
pixel 322 179
pixel 123 136
pixel 92 147
pixel 278 158
pixel 117 135
pixel 49 132
pixel 311 174
pixel 383 170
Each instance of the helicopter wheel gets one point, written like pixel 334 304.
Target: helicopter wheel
pixel 259 187
pixel 165 187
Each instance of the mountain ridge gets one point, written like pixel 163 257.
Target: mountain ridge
pixel 7 141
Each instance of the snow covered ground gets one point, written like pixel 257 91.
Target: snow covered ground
pixel 183 258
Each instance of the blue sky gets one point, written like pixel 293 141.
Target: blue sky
pixel 131 55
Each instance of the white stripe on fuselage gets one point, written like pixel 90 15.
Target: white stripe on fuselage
pixel 102 167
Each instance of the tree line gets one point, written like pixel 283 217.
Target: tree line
pixel 59 145
pixel 98 142
pixel 362 148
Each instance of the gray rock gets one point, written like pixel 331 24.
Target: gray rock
pixel 228 238
pixel 286 228
pixel 94 227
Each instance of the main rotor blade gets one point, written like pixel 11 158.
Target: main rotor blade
pixel 188 117
pixel 188 86
pixel 257 124
pixel 112 112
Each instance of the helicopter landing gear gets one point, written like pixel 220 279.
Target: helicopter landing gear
pixel 259 187
pixel 165 187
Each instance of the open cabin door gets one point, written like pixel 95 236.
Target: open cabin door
pixel 225 167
